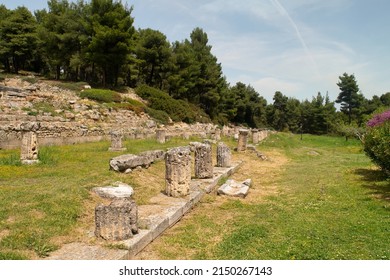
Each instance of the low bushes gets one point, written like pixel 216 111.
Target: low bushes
pixel 101 95
pixel 178 110
pixel 377 140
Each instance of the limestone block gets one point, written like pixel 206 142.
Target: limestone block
pixel 117 221
pixel 235 189
pixel 255 136
pixel 242 140
pixel 128 162
pixel 160 135
pixel 116 141
pixel 224 155
pixel 203 161
pixel 116 190
pixel 178 171
pixel 29 149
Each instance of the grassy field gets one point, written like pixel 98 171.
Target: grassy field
pixel 45 205
pixel 319 198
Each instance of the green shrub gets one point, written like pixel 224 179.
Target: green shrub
pixel 158 115
pixel 178 110
pixel 101 95
pixel 128 106
pixel 72 85
pixel 31 80
pixel 377 140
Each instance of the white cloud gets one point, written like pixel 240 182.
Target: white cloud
pixel 268 86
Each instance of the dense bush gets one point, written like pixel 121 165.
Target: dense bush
pixel 101 95
pixel 178 110
pixel 377 140
pixel 158 115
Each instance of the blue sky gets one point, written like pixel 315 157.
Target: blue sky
pixel 298 47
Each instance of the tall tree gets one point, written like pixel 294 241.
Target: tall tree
pixel 18 38
pixel 183 69
pixel 348 97
pixel 209 82
pixel 111 39
pixel 277 116
pixel 62 34
pixel 153 51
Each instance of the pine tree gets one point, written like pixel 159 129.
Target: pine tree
pixel 18 38
pixel 111 38
pixel 348 96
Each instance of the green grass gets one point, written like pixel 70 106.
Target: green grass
pixel 42 202
pixel 332 204
pixel 326 202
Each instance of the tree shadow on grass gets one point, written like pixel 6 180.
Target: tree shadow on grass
pixel 377 181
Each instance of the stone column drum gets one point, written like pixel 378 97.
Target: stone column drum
pixel 224 155
pixel 217 135
pixel 203 161
pixel 242 140
pixel 255 136
pixel 29 148
pixel 116 141
pixel 178 171
pixel 160 136
pixel 117 221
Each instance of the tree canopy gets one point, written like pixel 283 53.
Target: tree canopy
pixel 95 41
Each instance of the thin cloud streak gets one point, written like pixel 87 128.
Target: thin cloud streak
pixel 285 13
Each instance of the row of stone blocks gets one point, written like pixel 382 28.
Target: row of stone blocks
pixel 118 221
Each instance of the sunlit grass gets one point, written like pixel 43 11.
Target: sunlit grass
pixel 43 202
pixel 326 201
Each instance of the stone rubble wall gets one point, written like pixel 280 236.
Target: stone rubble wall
pixel 74 120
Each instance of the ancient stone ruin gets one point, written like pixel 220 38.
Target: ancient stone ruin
pixel 116 141
pixel 117 221
pixel 178 171
pixel 235 189
pixel 255 136
pixel 116 190
pixel 29 148
pixel 263 135
pixel 242 140
pixel 160 135
pixel 224 155
pixel 203 161
pixel 127 163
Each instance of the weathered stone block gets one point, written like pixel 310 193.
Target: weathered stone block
pixel 242 140
pixel 255 136
pixel 29 149
pixel 116 141
pixel 160 135
pixel 116 190
pixel 203 161
pixel 178 171
pixel 224 155
pixel 117 221
pixel 232 188
pixel 124 163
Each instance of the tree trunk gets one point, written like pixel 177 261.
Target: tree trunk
pixel 58 72
pixel 7 65
pixel 15 63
